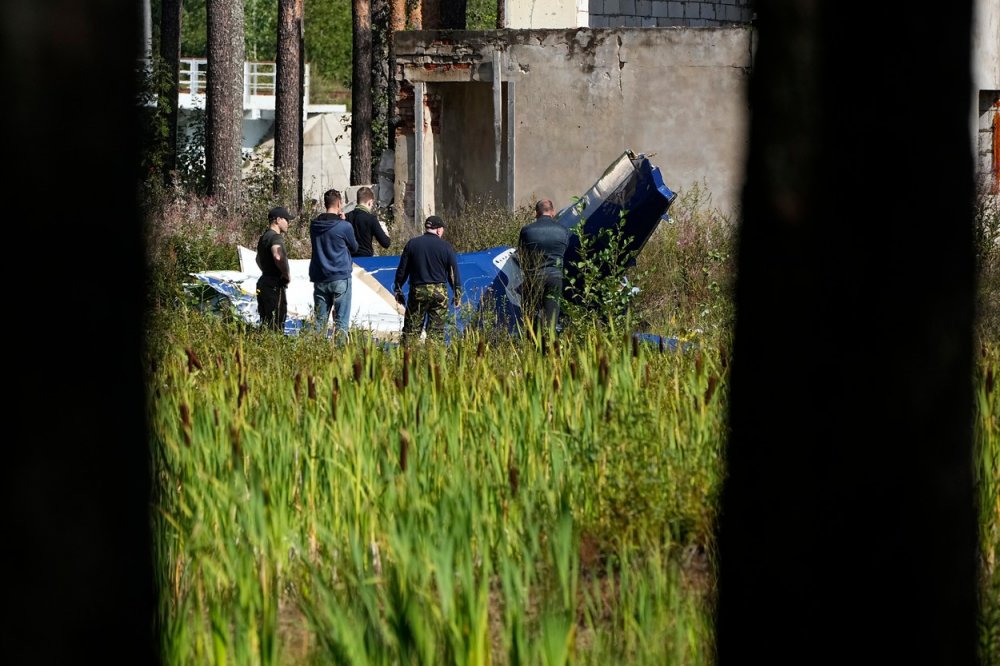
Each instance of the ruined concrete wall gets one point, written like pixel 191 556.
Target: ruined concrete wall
pixel 581 98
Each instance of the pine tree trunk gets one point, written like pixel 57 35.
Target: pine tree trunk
pixel 170 52
pixel 397 22
pixel 224 100
pixel 361 96
pixel 848 521
pixel 288 111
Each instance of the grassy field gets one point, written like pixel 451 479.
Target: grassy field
pixel 477 503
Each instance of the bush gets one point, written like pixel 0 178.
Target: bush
pixel 987 230
pixel 686 271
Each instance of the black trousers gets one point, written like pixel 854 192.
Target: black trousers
pixel 272 305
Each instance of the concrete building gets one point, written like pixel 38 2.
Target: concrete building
pixel 541 108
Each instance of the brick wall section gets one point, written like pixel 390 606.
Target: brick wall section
pixel 663 13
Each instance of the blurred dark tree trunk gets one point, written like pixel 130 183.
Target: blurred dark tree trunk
pixel 501 14
pixel 361 96
pixel 288 110
pixel 76 486
pixel 452 14
pixel 170 53
pixel 848 528
pixel 224 100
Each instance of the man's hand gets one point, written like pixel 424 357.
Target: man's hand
pixel 399 297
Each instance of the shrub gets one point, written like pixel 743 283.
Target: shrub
pixel 987 229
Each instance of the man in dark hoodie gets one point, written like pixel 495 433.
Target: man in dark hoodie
pixel 330 267
pixel 366 225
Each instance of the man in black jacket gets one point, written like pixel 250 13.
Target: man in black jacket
pixel 428 262
pixel 540 249
pixel 366 225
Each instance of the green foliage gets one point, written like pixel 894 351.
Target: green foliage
pixel 328 41
pixel 481 15
pixel 599 293
pixel 688 269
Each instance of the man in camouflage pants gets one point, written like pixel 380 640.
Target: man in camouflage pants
pixel 428 262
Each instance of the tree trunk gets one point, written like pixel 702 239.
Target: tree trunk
pixel 77 479
pixel 452 14
pixel 430 11
pixel 224 100
pixel 501 14
pixel 170 53
pixel 287 103
pixel 361 96
pixel 848 526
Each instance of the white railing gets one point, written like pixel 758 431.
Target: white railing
pixel 259 82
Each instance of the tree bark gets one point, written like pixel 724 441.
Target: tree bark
pixel 361 96
pixel 381 107
pixel 501 14
pixel 452 14
pixel 170 53
pixel 224 100
pixel 76 481
pixel 288 111
pixel 848 527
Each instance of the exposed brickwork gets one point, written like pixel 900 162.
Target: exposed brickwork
pixel 404 107
pixel 665 13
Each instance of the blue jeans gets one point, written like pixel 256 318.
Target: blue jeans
pixel 333 296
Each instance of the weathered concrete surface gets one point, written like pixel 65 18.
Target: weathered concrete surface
pixel 580 97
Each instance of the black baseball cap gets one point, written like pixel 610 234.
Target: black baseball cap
pixel 434 222
pixel 279 211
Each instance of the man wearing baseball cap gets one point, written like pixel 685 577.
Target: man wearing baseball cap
pixel 272 304
pixel 430 264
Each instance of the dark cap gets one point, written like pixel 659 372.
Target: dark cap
pixel 279 211
pixel 434 222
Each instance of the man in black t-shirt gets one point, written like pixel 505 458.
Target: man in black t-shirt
pixel 540 249
pixel 366 225
pixel 272 304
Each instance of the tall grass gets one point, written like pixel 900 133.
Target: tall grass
pixel 484 502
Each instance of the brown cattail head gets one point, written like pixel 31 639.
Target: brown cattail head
pixel 555 347
pixel 235 440
pixel 215 417
pixel 513 475
pixel 635 346
pixel 193 362
pixel 311 383
pixel 334 398
pixel 572 369
pixel 406 368
pixel 186 422
pixel 713 381
pixel 357 369
pixel 699 363
pixel 989 380
pixel 242 394
pixel 480 349
pixel 404 447
pixel 723 357
pixel 298 383
pixel 604 370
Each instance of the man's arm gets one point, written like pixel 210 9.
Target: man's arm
pixel 352 240
pixel 281 261
pixel 379 234
pixel 454 277
pixel 402 274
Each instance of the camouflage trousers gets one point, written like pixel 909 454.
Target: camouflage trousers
pixel 427 303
